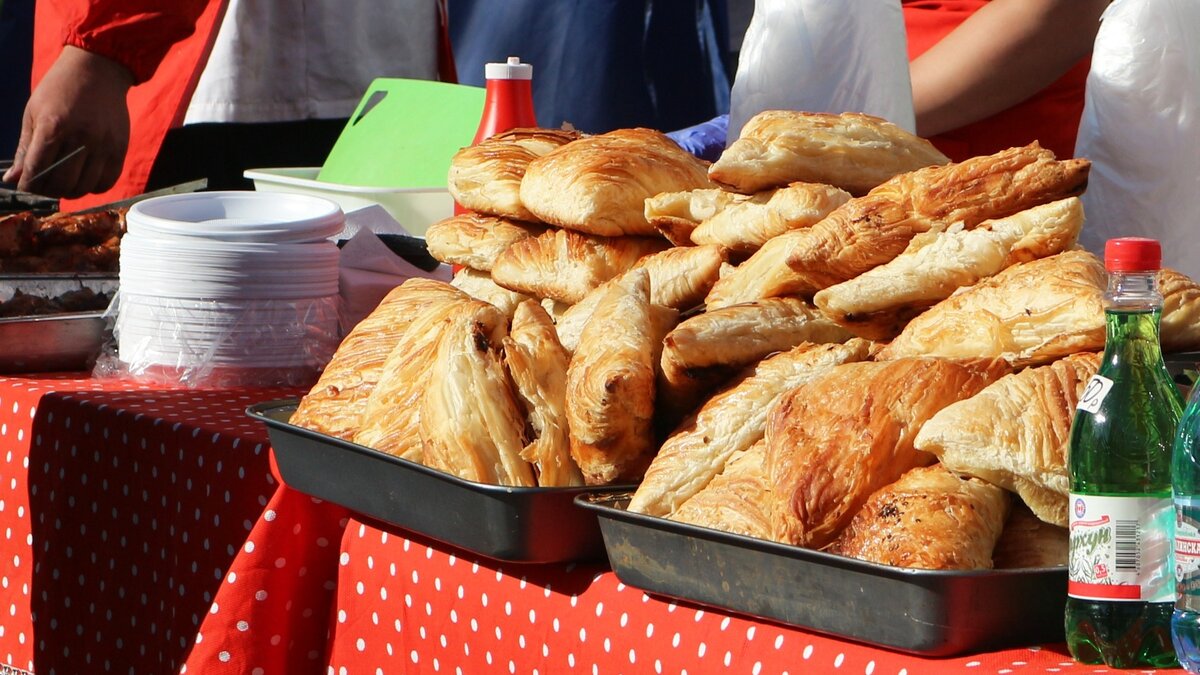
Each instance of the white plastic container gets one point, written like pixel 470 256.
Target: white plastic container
pixel 414 208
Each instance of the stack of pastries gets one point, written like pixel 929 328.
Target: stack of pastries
pixel 832 337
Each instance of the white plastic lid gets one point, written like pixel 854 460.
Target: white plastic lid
pixel 513 70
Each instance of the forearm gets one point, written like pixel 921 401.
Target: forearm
pixel 1003 54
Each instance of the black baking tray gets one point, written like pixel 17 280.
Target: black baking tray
pixel 515 524
pixel 925 612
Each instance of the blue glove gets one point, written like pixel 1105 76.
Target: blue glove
pixel 705 140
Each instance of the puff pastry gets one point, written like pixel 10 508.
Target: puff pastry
pixel 853 151
pixel 832 442
pixel 879 302
pixel 679 278
pixel 707 349
pixel 474 240
pixel 336 404
pixel 871 230
pixel 733 501
pixel 1180 325
pixel 744 227
pixel 479 285
pixel 1017 428
pixel 731 422
pixel 487 177
pixel 538 366
pixel 566 265
pixel 610 386
pixel 930 519
pixel 1031 313
pixel 1027 542
pixel 391 420
pixel 470 423
pixel 676 214
pixel 600 184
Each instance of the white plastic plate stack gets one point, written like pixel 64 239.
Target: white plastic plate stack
pixel 229 282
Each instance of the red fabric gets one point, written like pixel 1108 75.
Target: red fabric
pixel 139 34
pixel 1050 117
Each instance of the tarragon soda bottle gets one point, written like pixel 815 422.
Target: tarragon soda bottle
pixel 1121 590
pixel 1185 476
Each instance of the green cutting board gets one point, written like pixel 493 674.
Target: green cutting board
pixel 403 134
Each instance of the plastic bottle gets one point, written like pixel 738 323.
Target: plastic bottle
pixel 507 102
pixel 1185 479
pixel 1121 585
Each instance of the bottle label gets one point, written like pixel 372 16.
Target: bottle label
pixel 1120 548
pixel 1094 394
pixel 1187 553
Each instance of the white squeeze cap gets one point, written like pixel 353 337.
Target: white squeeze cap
pixel 513 70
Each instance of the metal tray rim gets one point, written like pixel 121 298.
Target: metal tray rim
pixel 260 412
pixel 596 504
pixel 50 318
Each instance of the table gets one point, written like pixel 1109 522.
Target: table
pixel 145 531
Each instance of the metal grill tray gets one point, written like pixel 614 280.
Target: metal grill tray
pixel 515 524
pixel 926 612
pixel 52 342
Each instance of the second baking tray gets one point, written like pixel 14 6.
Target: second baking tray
pixel 927 612
pixel 516 524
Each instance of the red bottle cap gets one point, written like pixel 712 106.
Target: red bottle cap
pixel 1132 254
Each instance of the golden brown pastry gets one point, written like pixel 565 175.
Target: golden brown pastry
pixel 931 519
pixel 470 423
pixel 745 226
pixel 853 151
pixel 487 177
pixel 565 265
pixel 336 404
pixel 679 278
pixel 878 303
pixel 538 366
pixel 1017 428
pixel 735 500
pixel 731 422
pixel 676 214
pixel 1027 542
pixel 474 240
pixel 391 420
pixel 479 285
pixel 1031 313
pixel 707 349
pixel 1180 325
pixel 834 441
pixel 599 184
pixel 871 230
pixel 610 386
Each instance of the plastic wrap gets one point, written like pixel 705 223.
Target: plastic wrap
pixel 203 343
pixel 822 56
pixel 1141 130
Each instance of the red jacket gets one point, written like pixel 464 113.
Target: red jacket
pixel 1051 116
pixel 162 44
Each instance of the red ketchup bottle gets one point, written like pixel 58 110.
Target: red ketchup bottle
pixel 508 103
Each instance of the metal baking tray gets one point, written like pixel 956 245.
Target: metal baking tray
pixel 926 612
pixel 51 342
pixel 531 525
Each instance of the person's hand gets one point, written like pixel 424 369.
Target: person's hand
pixel 79 103
pixel 705 140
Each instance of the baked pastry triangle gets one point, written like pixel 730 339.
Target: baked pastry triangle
pixel 1031 313
pixel 1017 428
pixel 486 177
pixel 479 285
pixel 734 500
pixel 878 303
pixel 932 519
pixel 745 226
pixel 599 184
pixel 474 240
pixel 853 151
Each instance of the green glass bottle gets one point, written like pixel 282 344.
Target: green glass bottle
pixel 1121 586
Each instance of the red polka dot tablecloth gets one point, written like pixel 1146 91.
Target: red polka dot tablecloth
pixel 406 604
pixel 122 507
